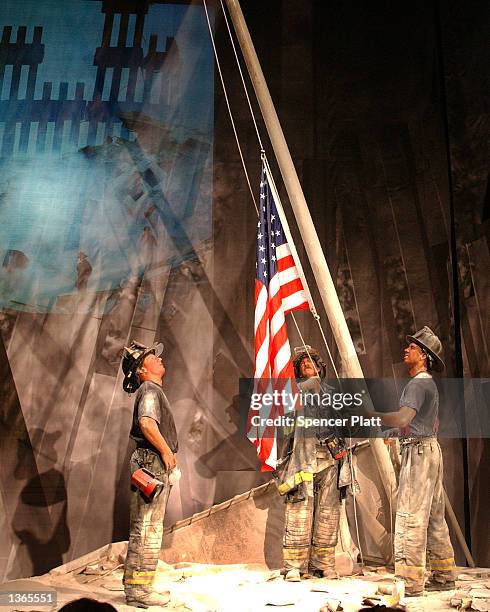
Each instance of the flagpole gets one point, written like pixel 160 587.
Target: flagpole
pixel 289 237
pixel 326 287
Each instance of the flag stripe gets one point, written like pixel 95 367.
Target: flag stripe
pixel 278 290
pixel 283 250
pixel 283 263
pixel 295 302
pixel 288 276
pixel 291 288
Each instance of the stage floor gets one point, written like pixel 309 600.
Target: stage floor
pixel 243 588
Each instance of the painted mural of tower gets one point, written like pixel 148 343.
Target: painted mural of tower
pixel 24 118
pixel 123 69
pixel 124 55
pixel 19 54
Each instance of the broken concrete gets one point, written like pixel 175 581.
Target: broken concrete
pixel 243 587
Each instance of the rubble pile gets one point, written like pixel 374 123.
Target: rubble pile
pixel 199 587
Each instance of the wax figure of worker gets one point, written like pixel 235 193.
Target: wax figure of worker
pixel 308 475
pixel 153 430
pixel 420 527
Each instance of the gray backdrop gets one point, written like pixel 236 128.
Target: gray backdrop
pixel 358 91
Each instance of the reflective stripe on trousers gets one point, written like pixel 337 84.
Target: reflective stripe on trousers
pixel 311 526
pixel 420 522
pixel 146 528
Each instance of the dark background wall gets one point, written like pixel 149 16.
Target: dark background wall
pixel 362 91
pixel 369 96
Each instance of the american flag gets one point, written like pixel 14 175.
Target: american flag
pixel 278 290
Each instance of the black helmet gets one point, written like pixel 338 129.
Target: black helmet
pixel 301 352
pixel 133 357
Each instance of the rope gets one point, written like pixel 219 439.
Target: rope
pixel 264 157
pixel 317 319
pixel 287 232
pixel 228 106
pixel 395 225
pixel 305 346
pixel 353 486
pixel 316 316
pixel 242 77
pixel 345 545
pixel 313 309
pixel 392 535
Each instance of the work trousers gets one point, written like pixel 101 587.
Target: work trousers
pixel 421 528
pixel 312 525
pixel 146 527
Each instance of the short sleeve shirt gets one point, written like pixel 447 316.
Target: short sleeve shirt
pixel 421 394
pixel 151 401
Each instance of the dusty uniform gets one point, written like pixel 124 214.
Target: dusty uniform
pixel 420 522
pixel 311 525
pixel 146 528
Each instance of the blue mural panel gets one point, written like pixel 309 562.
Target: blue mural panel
pixel 106 127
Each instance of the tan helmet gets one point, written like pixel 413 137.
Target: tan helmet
pixel 430 343
pixel 300 352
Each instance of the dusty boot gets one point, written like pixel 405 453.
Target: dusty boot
pixel 293 575
pixel 331 574
pixel 411 588
pixel 440 585
pixel 412 592
pixel 145 600
pixel 314 572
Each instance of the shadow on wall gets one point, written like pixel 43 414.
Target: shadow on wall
pixel 274 527
pixel 233 460
pixel 40 518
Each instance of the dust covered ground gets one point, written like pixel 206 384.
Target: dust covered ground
pixel 243 587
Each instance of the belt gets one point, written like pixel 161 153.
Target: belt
pixel 419 440
pixel 146 446
pixel 149 446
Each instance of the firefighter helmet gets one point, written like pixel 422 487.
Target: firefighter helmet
pixel 301 352
pixel 133 358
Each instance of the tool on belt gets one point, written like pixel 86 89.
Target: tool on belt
pixel 335 445
pixel 146 482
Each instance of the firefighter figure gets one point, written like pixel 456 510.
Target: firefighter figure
pixel 421 530
pixel 153 430
pixel 308 477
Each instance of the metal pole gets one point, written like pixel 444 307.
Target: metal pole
pixel 326 287
pixel 457 530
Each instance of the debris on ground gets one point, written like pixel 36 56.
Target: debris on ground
pixel 197 587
